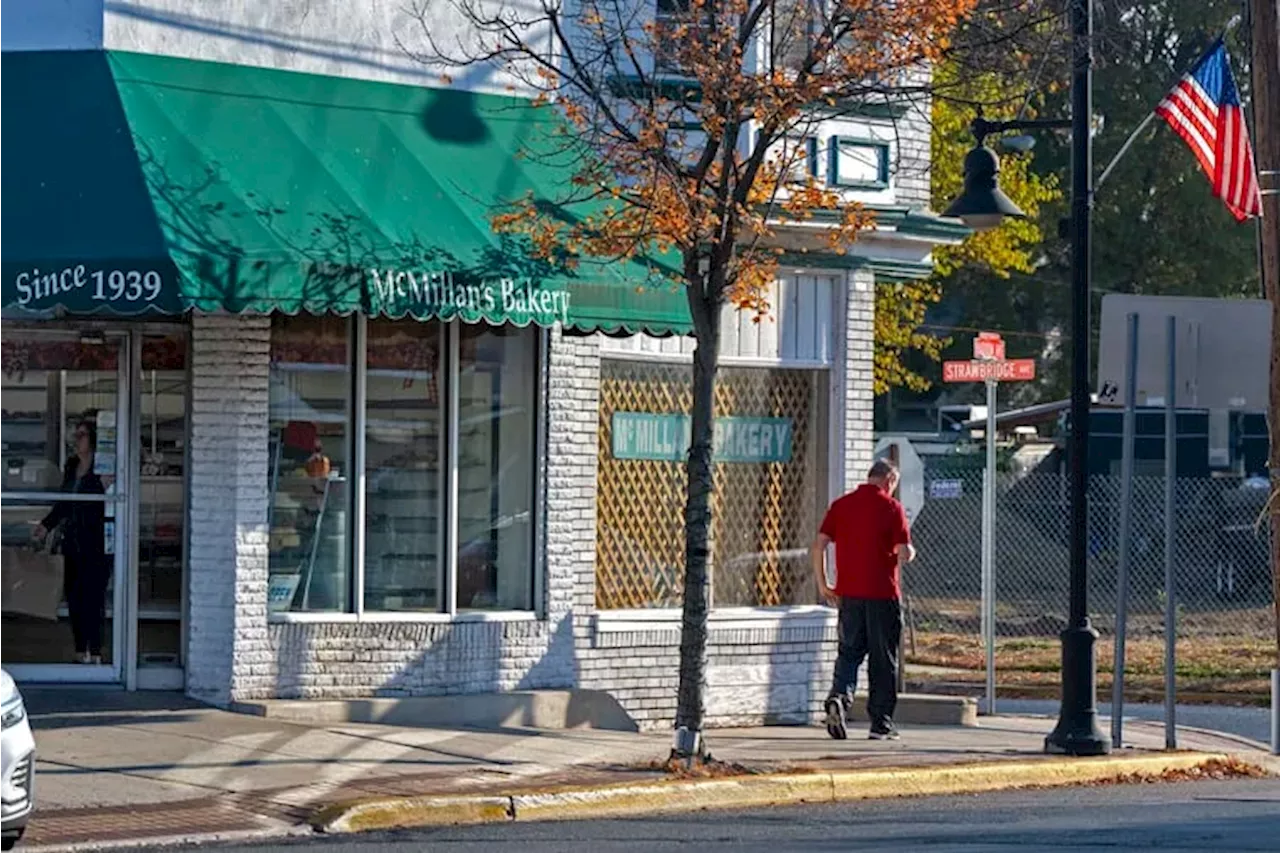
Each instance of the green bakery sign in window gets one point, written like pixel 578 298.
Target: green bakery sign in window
pixel 643 435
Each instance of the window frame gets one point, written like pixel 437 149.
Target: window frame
pixel 447 533
pixel 664 69
pixel 883 166
pixel 814 19
pixel 809 166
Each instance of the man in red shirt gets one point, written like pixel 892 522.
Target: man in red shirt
pixel 869 529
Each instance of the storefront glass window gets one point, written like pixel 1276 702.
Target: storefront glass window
pixel 406 409
pixel 403 507
pixel 61 401
pixel 310 498
pixel 771 484
pixel 496 448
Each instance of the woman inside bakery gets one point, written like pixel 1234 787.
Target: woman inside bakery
pixel 80 526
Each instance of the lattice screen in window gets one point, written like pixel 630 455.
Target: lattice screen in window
pixel 765 512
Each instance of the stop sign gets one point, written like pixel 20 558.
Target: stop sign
pixel 911 469
pixel 988 346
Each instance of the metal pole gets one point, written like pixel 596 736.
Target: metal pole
pixel 1124 149
pixel 1126 528
pixel 1170 530
pixel 1077 731
pixel 1264 31
pixel 1275 712
pixel 989 550
pixel 900 680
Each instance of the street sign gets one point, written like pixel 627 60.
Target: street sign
pixel 1013 370
pixel 988 346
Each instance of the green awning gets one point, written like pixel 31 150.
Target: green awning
pixel 138 184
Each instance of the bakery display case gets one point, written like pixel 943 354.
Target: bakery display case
pixel 307 518
pixel 309 470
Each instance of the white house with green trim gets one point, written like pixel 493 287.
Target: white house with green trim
pixel 352 443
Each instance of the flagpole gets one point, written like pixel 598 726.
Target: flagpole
pixel 1128 143
pixel 1123 150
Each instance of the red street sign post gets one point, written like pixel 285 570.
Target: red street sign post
pixel 991 367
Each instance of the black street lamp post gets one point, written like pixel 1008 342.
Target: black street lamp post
pixel 982 205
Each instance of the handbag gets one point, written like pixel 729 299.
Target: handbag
pixel 31 579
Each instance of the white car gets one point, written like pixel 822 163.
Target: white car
pixel 17 763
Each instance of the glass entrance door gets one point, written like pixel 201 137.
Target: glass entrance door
pixel 66 514
pixel 160 465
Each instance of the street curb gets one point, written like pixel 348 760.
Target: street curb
pixel 395 812
pixel 188 840
pixel 1200 730
pixel 673 795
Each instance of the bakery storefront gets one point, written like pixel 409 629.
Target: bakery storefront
pixel 274 394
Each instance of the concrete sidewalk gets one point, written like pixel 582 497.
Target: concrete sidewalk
pixel 118 766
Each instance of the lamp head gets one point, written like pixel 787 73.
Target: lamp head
pixel 982 205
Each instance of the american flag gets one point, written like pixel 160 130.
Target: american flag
pixel 1204 109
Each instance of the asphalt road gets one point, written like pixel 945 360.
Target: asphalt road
pixel 1217 816
pixel 1252 723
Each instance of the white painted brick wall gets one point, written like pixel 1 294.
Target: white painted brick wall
pixel 858 357
pixel 338 660
pixel 773 673
pixel 573 399
pixel 228 505
pixel 914 131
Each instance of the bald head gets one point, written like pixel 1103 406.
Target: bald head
pixel 884 474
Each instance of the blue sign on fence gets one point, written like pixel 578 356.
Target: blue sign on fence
pixel 947 489
pixel 643 435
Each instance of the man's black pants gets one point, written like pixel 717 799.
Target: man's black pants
pixel 869 629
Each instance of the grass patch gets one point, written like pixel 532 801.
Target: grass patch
pixel 1235 666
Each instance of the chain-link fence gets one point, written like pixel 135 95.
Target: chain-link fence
pixel 1222 581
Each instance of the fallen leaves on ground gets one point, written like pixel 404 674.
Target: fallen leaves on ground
pixel 679 768
pixel 1213 769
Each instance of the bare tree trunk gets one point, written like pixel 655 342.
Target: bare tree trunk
pixel 1265 25
pixel 690 698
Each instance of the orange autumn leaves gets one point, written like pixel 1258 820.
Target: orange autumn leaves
pixel 687 131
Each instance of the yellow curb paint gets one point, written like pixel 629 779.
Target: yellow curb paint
pixel 1002 776
pixel 571 802
pixel 674 795
pixel 392 813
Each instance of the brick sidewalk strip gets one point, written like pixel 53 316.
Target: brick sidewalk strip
pixel 160 820
pixel 277 809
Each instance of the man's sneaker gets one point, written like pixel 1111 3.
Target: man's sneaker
pixel 883 731
pixel 835 719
